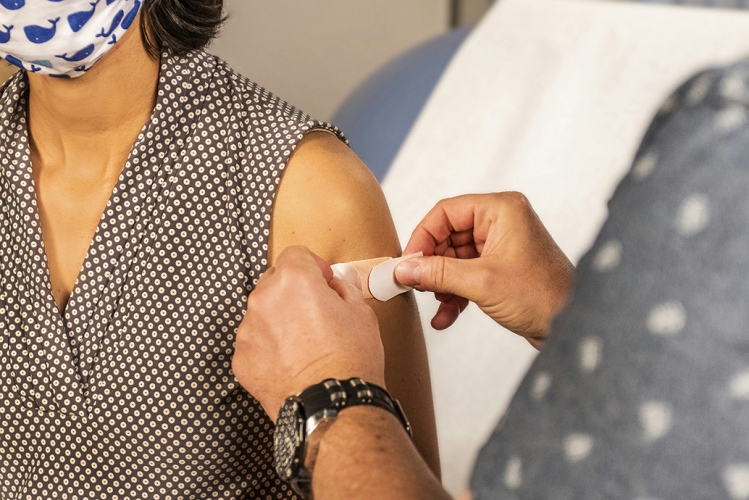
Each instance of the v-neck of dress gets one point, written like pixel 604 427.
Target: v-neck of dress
pixel 74 338
pixel 61 315
pixel 76 311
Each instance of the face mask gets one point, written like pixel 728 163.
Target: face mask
pixel 62 38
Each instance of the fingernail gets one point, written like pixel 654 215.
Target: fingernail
pixel 408 273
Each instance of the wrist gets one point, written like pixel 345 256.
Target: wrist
pixel 305 419
pixel 557 298
pixel 320 370
pixel 367 455
pixel 350 419
pixel 355 419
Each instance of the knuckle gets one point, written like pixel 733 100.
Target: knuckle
pixel 243 346
pixel 242 333
pixel 293 250
pixel 288 277
pixel 255 301
pixel 516 199
pixel 443 203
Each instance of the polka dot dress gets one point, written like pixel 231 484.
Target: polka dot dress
pixel 642 392
pixel 130 393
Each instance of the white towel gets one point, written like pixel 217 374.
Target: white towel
pixel 551 98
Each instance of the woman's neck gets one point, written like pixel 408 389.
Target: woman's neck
pixel 87 125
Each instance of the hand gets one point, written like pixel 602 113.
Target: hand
pixel 492 250
pixel 303 326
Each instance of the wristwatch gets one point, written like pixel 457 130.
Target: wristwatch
pixel 304 418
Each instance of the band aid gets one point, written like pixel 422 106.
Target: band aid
pixel 374 277
pixel 357 273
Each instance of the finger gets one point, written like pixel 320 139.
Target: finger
pixel 346 291
pixel 446 315
pixel 462 302
pixel 461 238
pixel 424 241
pixel 465 278
pixel 327 272
pixel 303 258
pixel 444 297
pixel 467 251
pixel 453 215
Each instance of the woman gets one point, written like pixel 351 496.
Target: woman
pixel 129 250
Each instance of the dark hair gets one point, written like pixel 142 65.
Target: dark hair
pixel 180 25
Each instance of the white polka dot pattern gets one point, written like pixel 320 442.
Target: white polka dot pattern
pixel 730 119
pixel 739 386
pixel 514 473
pixel 736 477
pixel 667 319
pixel 733 86
pixel 591 351
pixel 577 447
pixel 540 387
pixel 699 89
pixel 130 394
pixel 655 417
pixel 608 257
pixel 694 215
pixel 644 166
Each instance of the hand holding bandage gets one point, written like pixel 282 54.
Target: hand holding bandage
pixel 492 250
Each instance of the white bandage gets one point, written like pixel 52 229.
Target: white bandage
pixel 375 277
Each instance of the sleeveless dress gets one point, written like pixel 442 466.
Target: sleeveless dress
pixel 130 393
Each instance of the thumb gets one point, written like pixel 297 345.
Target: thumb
pixel 462 277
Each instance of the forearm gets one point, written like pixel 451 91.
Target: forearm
pixel 366 454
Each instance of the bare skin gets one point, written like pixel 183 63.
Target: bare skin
pixel 330 202
pixel 6 70
pixel 397 471
pixel 81 132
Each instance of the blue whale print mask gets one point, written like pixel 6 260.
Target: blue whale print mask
pixel 62 38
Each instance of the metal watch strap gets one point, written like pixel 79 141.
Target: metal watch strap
pixel 366 393
pixel 340 394
pixel 322 402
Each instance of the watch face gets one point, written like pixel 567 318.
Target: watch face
pixel 288 441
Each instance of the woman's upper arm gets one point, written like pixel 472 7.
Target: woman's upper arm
pixel 330 202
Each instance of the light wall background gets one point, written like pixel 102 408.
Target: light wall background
pixel 314 54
